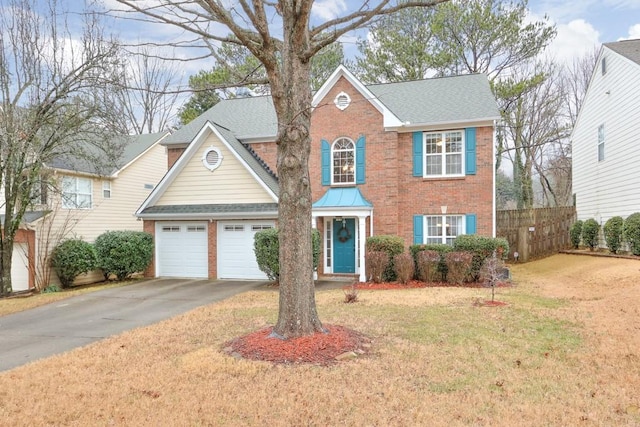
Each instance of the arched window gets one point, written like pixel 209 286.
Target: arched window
pixel 343 154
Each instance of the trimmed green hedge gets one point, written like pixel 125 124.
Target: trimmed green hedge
pixel 266 247
pixel 392 245
pixel 575 233
pixel 631 230
pixel 71 258
pixel 124 253
pixel 613 233
pixel 481 247
pixel 441 248
pixel 590 231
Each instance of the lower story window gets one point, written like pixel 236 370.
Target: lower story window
pixel 443 228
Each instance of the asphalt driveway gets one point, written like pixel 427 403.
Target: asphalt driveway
pixel 78 321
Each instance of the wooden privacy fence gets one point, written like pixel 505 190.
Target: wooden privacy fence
pixel 535 233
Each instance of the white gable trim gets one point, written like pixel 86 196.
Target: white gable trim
pixel 595 72
pixel 184 159
pixel 160 138
pixel 389 119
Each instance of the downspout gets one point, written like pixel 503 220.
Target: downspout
pixel 493 202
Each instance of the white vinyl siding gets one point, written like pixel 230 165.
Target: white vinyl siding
pixel 600 143
pixel 604 189
pixel 229 183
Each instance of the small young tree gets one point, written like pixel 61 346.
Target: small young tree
pixel 491 272
pixel 613 233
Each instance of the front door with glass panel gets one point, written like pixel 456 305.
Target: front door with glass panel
pixel 344 245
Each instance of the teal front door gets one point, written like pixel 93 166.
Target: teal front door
pixel 344 245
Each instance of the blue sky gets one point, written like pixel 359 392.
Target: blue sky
pixel 584 24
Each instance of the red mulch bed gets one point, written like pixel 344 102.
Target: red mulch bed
pixel 319 348
pixel 414 284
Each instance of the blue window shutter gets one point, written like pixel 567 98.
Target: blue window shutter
pixel 326 163
pixel 418 234
pixel 418 158
pixel 470 151
pixel 360 160
pixel 471 221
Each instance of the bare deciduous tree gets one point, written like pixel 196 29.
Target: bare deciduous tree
pixel 282 37
pixel 48 104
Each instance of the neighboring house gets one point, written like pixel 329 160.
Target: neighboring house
pixel 605 146
pixel 414 159
pixel 91 197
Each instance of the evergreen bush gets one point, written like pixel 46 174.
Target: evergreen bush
pixel 71 258
pixel 425 269
pixel 575 233
pixel 124 252
pixel 590 232
pixel 266 248
pixel 631 231
pixel 613 233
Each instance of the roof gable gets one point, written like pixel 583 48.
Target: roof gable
pixel 263 176
pixel 630 49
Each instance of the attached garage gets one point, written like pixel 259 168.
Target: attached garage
pixel 181 249
pixel 236 259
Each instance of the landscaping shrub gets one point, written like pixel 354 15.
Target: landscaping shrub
pixel 613 233
pixel 433 273
pixel 575 233
pixel 376 262
pixel 481 247
pixel 266 247
pixel 427 266
pixel 590 231
pixel 124 253
pixel 458 266
pixel 392 245
pixel 631 231
pixel 71 258
pixel 404 267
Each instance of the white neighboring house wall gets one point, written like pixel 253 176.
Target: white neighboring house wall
pixel 610 186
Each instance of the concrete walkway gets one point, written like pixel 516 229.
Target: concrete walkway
pixel 78 321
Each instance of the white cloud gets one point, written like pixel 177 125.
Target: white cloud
pixel 574 39
pixel 329 9
pixel 634 32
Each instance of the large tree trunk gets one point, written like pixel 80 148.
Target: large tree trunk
pixel 297 314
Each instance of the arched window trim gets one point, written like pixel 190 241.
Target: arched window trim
pixel 345 158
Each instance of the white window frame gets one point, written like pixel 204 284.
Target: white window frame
pixel 345 151
pixel 106 189
pixel 71 191
pixel 601 141
pixel 443 155
pixel 442 225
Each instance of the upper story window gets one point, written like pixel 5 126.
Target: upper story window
pixel 343 154
pixel 443 228
pixel 600 143
pixel 106 189
pixel 444 153
pixel 76 192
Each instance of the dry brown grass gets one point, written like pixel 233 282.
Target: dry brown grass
pixel 565 351
pixel 21 303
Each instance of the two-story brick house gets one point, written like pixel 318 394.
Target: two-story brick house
pixel 414 159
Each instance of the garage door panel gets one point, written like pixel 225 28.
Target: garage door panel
pixel 182 250
pixel 236 258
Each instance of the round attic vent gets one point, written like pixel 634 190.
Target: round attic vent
pixel 342 100
pixel 212 158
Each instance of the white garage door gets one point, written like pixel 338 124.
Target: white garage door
pixel 236 259
pixel 182 249
pixel 19 268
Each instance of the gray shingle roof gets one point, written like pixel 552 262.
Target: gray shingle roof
pixel 208 209
pixel 627 48
pixel 438 100
pixel 29 216
pixel 95 159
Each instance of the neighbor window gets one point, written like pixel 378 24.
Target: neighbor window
pixel 106 189
pixel 76 192
pixel 600 143
pixel 343 153
pixel 443 228
pixel 444 153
